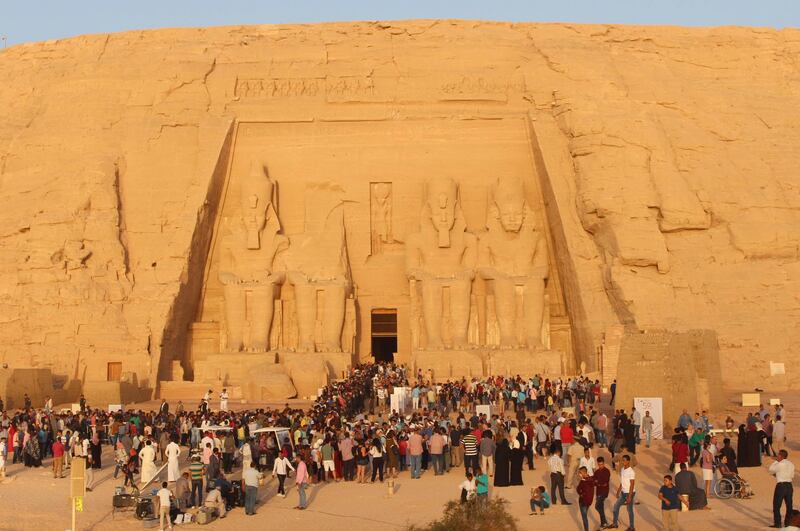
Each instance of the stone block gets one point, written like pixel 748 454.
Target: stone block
pixel 525 362
pixel 15 383
pixel 449 364
pixel 683 368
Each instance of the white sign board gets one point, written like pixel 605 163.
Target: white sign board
pixel 484 410
pixel 656 408
pixel 76 408
pixel 776 368
pixel 751 399
pixel 113 408
pixel 400 400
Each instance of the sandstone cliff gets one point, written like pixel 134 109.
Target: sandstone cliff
pixel 669 158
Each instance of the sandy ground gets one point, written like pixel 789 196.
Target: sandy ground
pixel 32 499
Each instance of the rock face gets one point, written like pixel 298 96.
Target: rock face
pixel 661 163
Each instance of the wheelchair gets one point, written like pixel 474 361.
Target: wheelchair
pixel 732 486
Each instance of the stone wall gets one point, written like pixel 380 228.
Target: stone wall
pixel 682 368
pixel 667 158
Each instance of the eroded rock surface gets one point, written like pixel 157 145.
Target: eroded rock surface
pixel 667 159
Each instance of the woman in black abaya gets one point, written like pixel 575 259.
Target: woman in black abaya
pixel 749 448
pixel 502 463
pixel 517 456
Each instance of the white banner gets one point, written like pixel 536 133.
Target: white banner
pixel 655 407
pixel 400 400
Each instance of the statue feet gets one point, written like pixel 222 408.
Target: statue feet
pixel 461 344
pixel 434 344
pixel 306 347
pixel 330 348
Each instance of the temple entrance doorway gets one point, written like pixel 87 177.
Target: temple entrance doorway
pixel 384 334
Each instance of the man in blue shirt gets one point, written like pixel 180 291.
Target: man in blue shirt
pixel 699 423
pixel 684 420
pixel 670 504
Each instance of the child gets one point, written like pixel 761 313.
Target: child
pixel 481 485
pixel 467 488
pixel 539 498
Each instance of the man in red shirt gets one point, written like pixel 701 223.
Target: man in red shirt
pixel 602 479
pixel 567 440
pixel 585 494
pixel 58 457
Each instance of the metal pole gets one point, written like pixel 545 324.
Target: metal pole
pixel 73 514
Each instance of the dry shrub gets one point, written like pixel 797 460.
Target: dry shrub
pixel 472 516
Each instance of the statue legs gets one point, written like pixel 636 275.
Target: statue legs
pixel 331 314
pixel 333 318
pixel 234 316
pixel 459 311
pixel 533 304
pixel 505 303
pixel 306 307
pixel 432 313
pixel 261 309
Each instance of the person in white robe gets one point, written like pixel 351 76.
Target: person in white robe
pixel 173 468
pixel 148 462
pixel 247 456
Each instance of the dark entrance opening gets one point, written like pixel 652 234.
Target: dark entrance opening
pixel 384 334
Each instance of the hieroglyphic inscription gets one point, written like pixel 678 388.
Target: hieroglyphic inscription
pixel 480 88
pixel 349 88
pixel 271 88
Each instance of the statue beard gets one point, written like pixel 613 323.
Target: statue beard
pixel 443 225
pixel 253 231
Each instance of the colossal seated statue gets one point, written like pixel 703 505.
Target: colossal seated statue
pixel 441 258
pixel 512 257
pixel 247 269
pixel 319 271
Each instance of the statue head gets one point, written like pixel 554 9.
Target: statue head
pixel 256 198
pixel 509 203
pixel 441 199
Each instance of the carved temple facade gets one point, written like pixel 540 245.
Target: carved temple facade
pixel 261 207
pixel 423 242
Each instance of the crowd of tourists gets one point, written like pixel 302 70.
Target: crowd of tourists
pixel 351 433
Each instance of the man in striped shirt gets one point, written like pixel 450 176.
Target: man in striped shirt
pixel 470 444
pixel 196 470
